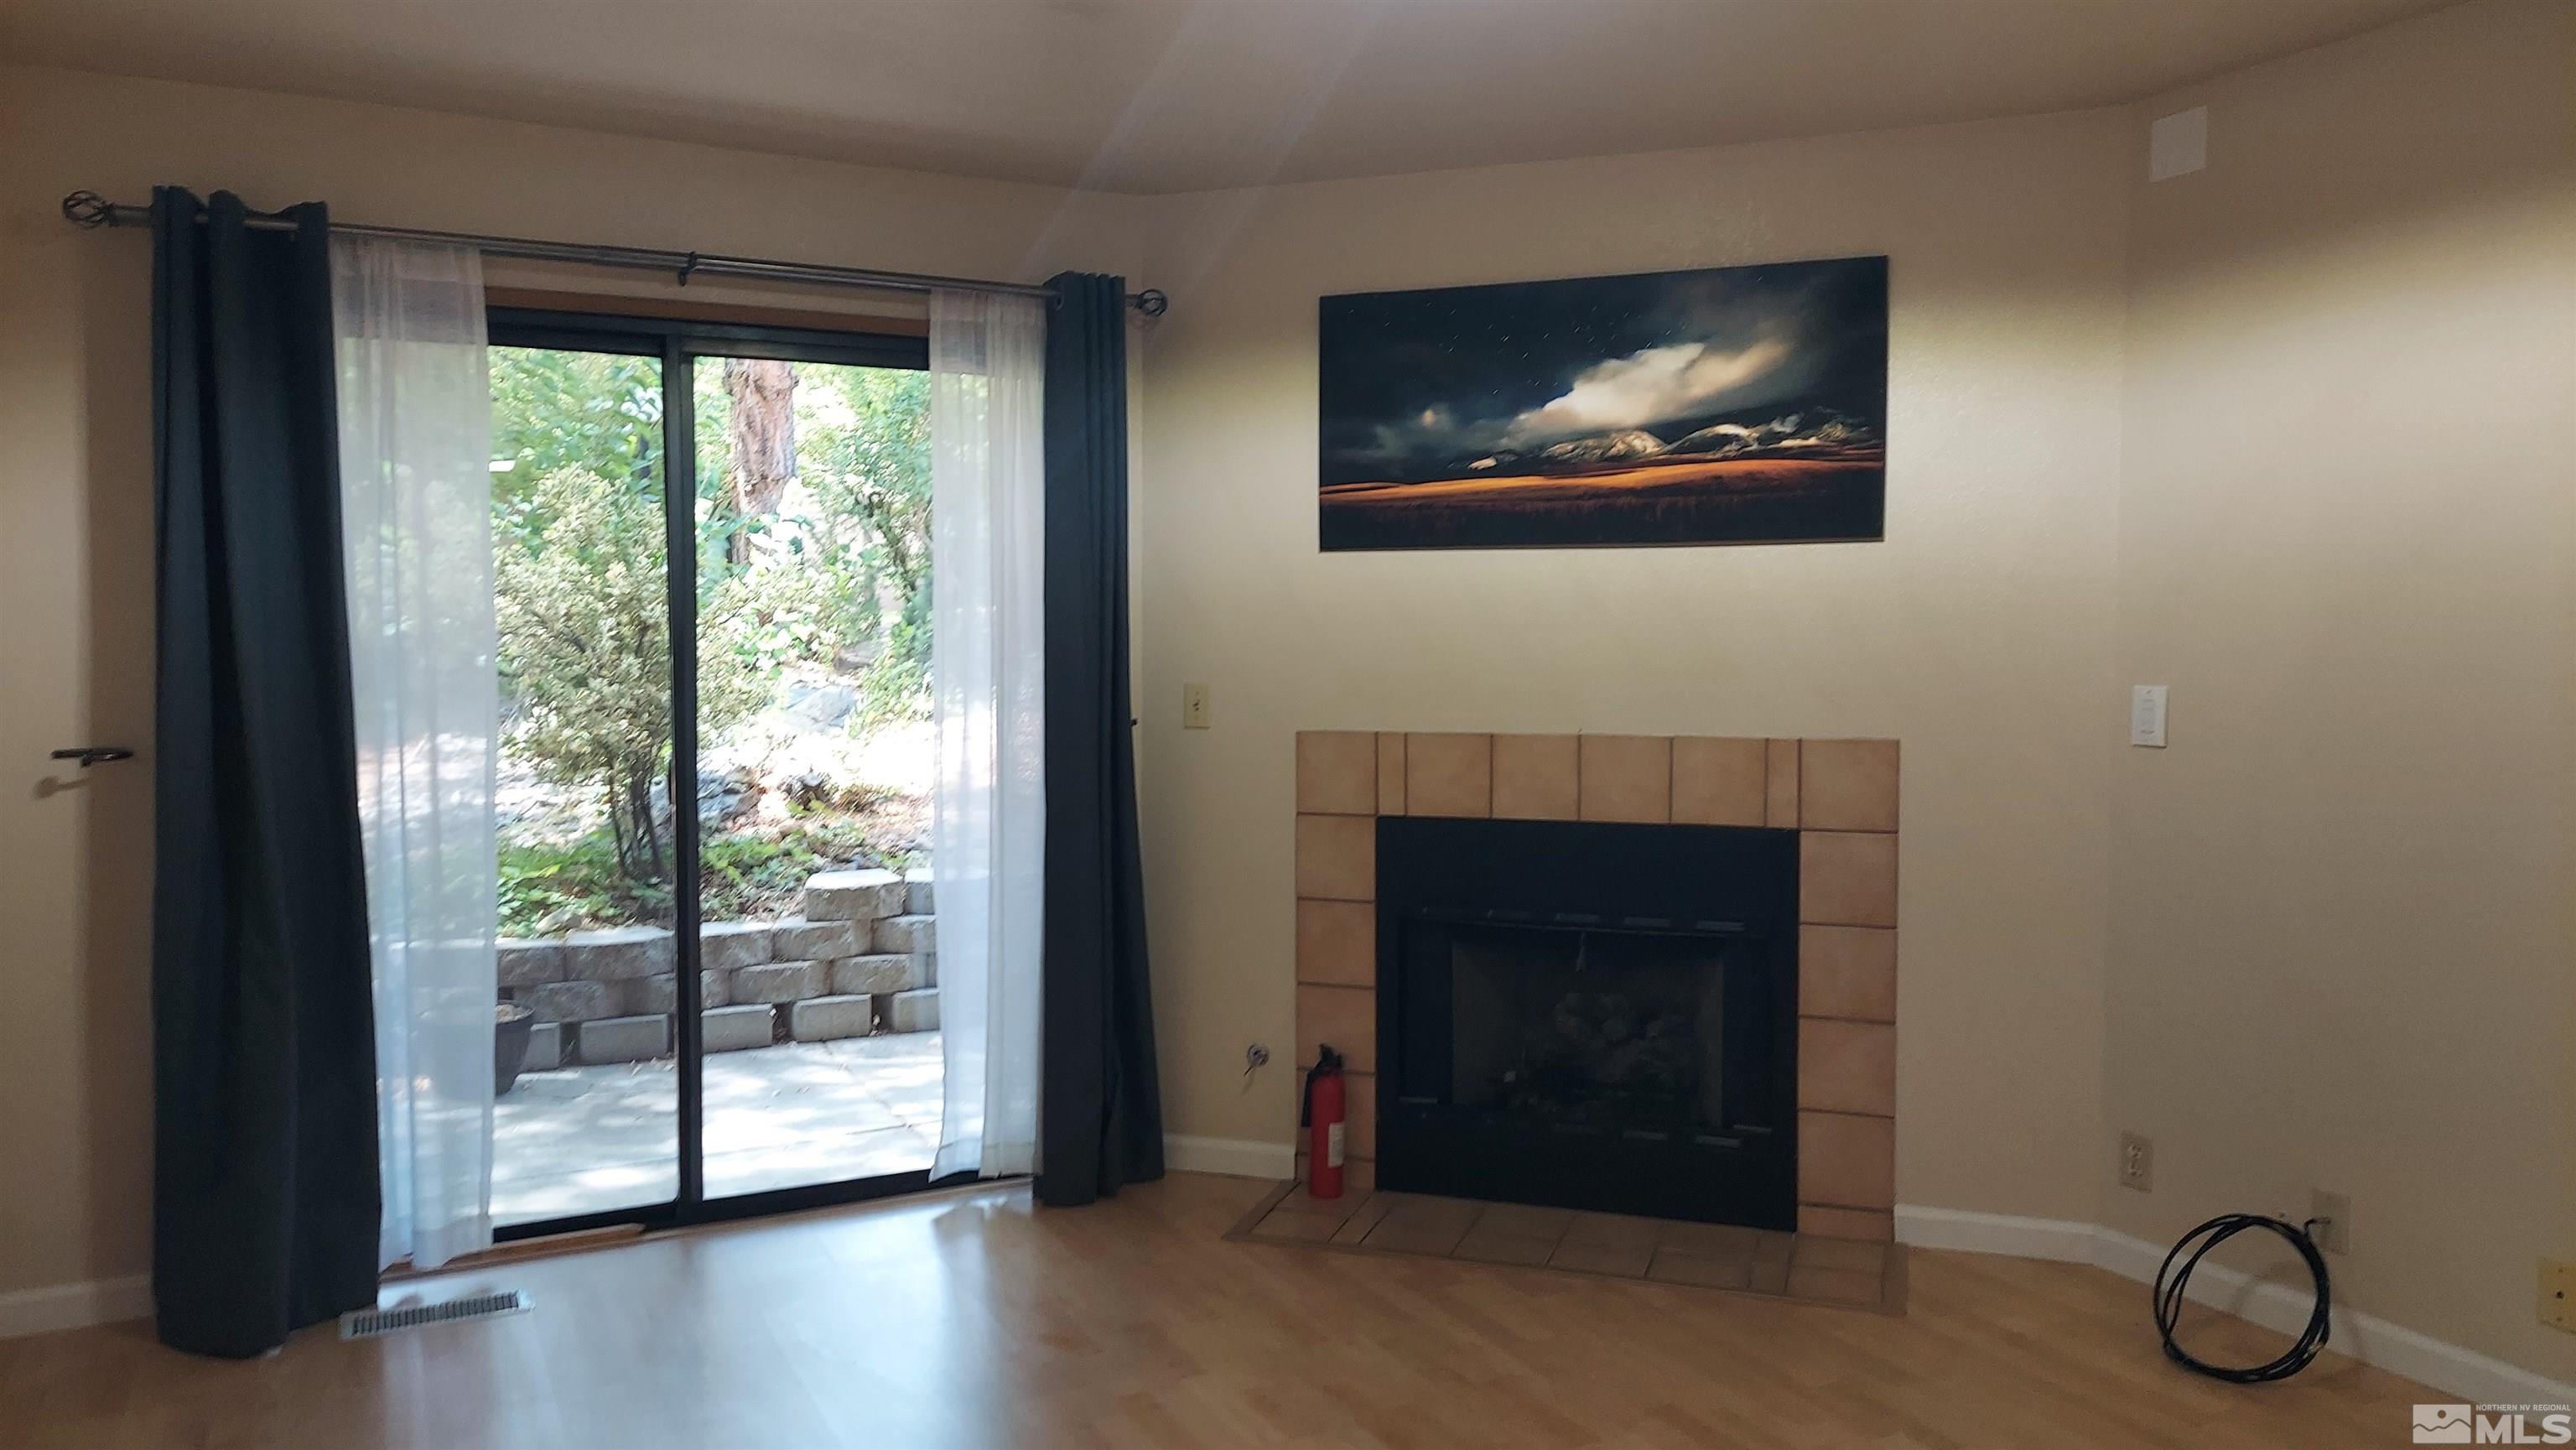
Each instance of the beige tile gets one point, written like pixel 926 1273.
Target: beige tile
pixel 1414 1237
pixel 1846 1161
pixel 1771 1262
pixel 1780 793
pixel 1521 1220
pixel 1847 971
pixel 1625 778
pixel 1486 1246
pixel 1847 1067
pixel 1299 1200
pixel 1836 1286
pixel 1303 1228
pixel 1346 1017
pixel 1337 772
pixel 1673 1266
pixel 1449 775
pixel 1847 785
pixel 1418 1210
pixel 1536 778
pixel 1615 1230
pixel 1359 1128
pixel 1337 943
pixel 1846 878
pixel 1423 1225
pixel 1719 782
pixel 1337 858
pixel 1363 1220
pixel 1710 1240
pixel 1390 774
pixel 1850 1255
pixel 1628 1261
pixel 1770 1276
pixel 1846 1223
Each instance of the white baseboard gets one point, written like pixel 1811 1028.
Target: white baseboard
pixel 1234 1157
pixel 74 1306
pixel 2283 1307
pixel 2061 1239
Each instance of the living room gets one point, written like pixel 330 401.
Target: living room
pixel 2166 787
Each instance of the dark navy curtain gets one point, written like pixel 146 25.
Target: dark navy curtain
pixel 265 1195
pixel 1100 1109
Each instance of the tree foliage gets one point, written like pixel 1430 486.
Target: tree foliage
pixel 585 653
pixel 813 552
pixel 841 564
pixel 553 411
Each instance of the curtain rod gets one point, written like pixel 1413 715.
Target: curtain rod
pixel 89 209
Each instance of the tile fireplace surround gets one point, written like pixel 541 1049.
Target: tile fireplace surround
pixel 1839 795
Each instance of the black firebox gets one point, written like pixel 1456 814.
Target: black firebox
pixel 1590 1015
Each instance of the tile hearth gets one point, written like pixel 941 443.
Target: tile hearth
pixel 1852 1273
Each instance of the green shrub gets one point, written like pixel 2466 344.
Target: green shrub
pixel 582 606
pixel 750 874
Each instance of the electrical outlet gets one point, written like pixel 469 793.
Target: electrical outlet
pixel 2558 1294
pixel 2333 1214
pixel 1194 707
pixel 2137 1162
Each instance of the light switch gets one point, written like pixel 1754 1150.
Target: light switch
pixel 2178 145
pixel 2147 716
pixel 1194 707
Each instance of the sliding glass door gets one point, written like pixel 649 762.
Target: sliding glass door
pixel 815 763
pixel 712 561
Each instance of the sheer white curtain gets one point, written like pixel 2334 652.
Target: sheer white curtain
pixel 988 688
pixel 416 500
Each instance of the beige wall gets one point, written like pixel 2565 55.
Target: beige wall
pixel 76 502
pixel 2292 435
pixel 2343 901
pixel 1976 633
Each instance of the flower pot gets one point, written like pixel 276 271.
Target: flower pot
pixel 511 1024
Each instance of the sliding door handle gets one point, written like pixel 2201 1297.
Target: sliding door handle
pixel 89 755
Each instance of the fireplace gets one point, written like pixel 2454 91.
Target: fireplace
pixel 1832 803
pixel 1589 1015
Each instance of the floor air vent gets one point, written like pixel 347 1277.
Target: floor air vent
pixel 370 1323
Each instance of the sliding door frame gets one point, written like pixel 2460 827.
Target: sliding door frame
pixel 679 344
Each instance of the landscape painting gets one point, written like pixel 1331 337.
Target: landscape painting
pixel 1732 405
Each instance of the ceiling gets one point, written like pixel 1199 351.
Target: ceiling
pixel 1180 95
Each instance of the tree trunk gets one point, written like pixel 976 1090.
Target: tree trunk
pixel 626 863
pixel 641 826
pixel 763 432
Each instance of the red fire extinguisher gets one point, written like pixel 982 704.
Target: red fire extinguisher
pixel 1323 1115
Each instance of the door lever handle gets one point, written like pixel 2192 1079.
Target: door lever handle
pixel 89 755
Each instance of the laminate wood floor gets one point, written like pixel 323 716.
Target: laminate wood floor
pixel 974 1320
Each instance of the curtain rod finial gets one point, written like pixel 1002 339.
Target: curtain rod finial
pixel 1152 302
pixel 87 209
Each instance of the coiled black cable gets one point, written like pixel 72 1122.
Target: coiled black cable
pixel 2169 1296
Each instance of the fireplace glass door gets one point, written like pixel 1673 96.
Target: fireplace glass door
pixel 1589 1015
pixel 1591 1029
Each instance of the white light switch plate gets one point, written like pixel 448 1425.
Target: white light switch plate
pixel 2178 145
pixel 2147 716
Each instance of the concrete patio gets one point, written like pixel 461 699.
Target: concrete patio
pixel 584 1139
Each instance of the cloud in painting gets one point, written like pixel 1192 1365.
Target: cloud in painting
pixel 1562 377
pixel 1648 386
